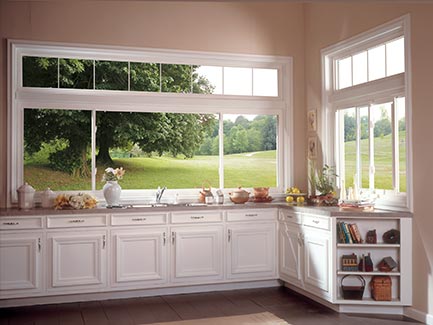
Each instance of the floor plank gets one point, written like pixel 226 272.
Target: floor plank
pixel 282 302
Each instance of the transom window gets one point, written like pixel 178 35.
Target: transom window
pixel 366 108
pixel 178 119
pixel 47 72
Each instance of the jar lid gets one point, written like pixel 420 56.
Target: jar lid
pixel 48 191
pixel 25 188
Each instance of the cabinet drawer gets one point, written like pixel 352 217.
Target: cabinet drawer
pixel 77 221
pixel 291 216
pixel 316 221
pixel 20 223
pixel 138 219
pixel 196 217
pixel 248 215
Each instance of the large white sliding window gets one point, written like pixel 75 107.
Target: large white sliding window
pixel 170 118
pixel 366 129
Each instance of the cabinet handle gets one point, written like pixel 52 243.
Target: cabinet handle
pixel 103 241
pixel 251 215
pixel 76 220
pixel 164 238
pixel 316 221
pixel 11 223
pixel 194 217
pixel 39 245
pixel 138 219
pixel 173 237
pixel 229 235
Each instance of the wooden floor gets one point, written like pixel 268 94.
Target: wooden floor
pixel 282 302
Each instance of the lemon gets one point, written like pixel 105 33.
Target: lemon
pixel 289 199
pixel 300 199
pixel 296 190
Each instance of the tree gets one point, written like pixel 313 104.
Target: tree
pixel 153 132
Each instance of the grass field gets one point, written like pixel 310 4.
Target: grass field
pixel 382 160
pixel 247 170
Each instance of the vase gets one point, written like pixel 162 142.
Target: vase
pixel 111 191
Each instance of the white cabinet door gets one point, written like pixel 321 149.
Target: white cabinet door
pixel 290 252
pixel 20 264
pixel 251 251
pixel 316 259
pixel 77 260
pixel 139 257
pixel 197 254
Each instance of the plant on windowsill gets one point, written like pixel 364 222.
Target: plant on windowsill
pixel 112 189
pixel 322 184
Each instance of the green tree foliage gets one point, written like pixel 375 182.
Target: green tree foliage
pixel 153 132
pixel 243 136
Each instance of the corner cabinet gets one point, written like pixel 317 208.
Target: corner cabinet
pixel 310 256
pixel 305 252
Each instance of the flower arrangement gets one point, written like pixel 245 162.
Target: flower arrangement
pixel 112 174
pixel 75 201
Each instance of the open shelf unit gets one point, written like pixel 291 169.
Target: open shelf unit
pixel 401 276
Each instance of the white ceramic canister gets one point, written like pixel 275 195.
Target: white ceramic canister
pixel 47 198
pixel 26 195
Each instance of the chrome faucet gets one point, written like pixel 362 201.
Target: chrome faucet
pixel 159 194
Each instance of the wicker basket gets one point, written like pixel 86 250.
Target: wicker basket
pixel 353 292
pixel 380 287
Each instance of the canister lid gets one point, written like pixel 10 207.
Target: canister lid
pixel 25 188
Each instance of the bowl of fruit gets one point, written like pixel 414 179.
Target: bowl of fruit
pixel 295 196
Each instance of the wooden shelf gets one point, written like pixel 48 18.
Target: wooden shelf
pixel 368 301
pixel 395 273
pixel 380 245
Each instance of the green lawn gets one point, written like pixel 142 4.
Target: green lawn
pixel 382 160
pixel 247 170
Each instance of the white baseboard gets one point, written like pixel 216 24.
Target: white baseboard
pixel 418 315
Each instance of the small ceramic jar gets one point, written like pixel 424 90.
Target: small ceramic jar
pixel 47 198
pixel 26 195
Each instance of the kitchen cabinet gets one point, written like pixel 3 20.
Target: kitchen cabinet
pixel 251 251
pixel 139 257
pixel 290 253
pixel 305 252
pixel 20 263
pixel 77 260
pixel 196 253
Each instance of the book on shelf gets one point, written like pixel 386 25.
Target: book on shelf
pixel 348 233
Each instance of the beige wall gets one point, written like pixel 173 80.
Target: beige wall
pixel 326 24
pixel 259 28
pixel 256 28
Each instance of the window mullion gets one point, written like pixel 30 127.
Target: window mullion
pixel 372 170
pixel 358 176
pixel 93 144
pixel 395 151
pixel 221 150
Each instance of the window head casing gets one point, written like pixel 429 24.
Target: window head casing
pixel 366 98
pixel 137 96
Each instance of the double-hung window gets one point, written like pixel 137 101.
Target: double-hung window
pixel 366 124
pixel 170 118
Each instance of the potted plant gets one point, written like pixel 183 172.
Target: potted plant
pixel 322 184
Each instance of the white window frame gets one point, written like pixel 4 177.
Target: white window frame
pixel 366 94
pixel 20 97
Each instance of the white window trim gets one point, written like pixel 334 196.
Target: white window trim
pixel 384 89
pixel 20 97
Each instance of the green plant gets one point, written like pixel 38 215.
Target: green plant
pixel 322 181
